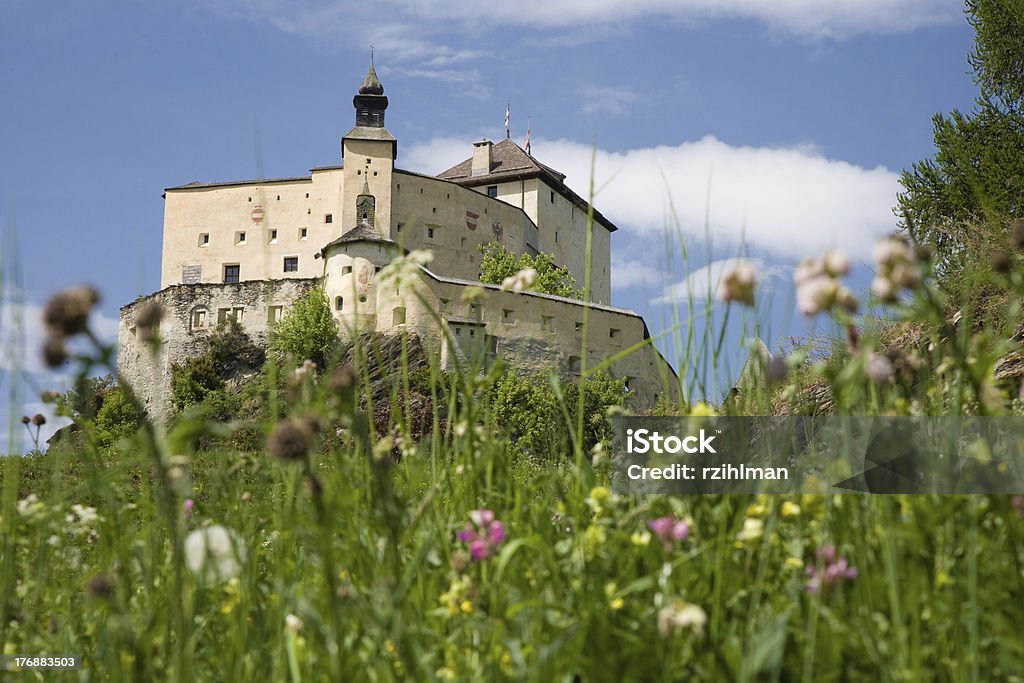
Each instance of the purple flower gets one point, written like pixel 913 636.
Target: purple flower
pixel 187 508
pixel 836 569
pixel 483 534
pixel 668 529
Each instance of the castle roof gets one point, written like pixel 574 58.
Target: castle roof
pixel 509 162
pixel 360 233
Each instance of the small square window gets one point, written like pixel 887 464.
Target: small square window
pixel 273 236
pixel 613 333
pixel 547 323
pixel 238 313
pixel 329 218
pixel 304 232
pixel 204 239
pixel 430 233
pixel 231 274
pixel 399 228
pixel 274 314
pixel 291 264
pixel 508 315
pixel 492 191
pixel 345 270
pixel 579 326
pixel 223 315
pixel 240 237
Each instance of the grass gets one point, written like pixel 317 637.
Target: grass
pixel 345 562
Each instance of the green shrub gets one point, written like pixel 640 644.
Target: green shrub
pixel 307 331
pixel 499 263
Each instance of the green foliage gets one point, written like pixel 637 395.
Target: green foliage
pixel 230 351
pixel 499 263
pixel 307 331
pixel 193 379
pixel 117 417
pixel 961 201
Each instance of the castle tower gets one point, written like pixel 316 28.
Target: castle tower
pixel 368 151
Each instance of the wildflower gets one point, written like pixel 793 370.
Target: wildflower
pixel 737 283
pixel 600 499
pixel 186 508
pixel 38 420
pixel 30 506
pixel 308 367
pixel 616 602
pixel 147 321
pixel 679 616
pixel 483 534
pixel 640 538
pixel 25 419
pixel 790 509
pixel 794 563
pixel 752 530
pixel 289 440
pixel 817 284
pixel 214 553
pixel 777 368
pixel 879 368
pixel 54 352
pixel 669 530
pixel 292 623
pixel 67 313
pixel 100 587
pixel 1018 504
pixel 896 268
pixel 520 282
pixel 835 569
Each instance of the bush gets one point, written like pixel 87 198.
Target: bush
pixel 307 331
pixel 499 263
pixel 117 417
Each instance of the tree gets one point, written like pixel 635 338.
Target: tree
pixel 962 200
pixel 307 331
pixel 499 263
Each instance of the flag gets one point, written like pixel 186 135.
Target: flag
pixel 527 138
pixel 507 133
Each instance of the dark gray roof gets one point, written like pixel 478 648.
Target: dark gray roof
pixel 360 233
pixel 510 162
pixel 195 184
pixel 371 85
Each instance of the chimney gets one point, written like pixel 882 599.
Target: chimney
pixel 482 157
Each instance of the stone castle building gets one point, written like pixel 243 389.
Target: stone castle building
pixel 245 250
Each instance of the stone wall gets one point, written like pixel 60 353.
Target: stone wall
pixel 191 312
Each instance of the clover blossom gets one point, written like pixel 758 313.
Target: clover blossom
pixel 669 530
pixel 483 534
pixel 836 569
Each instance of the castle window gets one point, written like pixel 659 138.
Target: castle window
pixel 231 274
pixel 613 333
pixel 223 314
pixel 375 173
pixel 339 303
pixel 462 241
pixel 303 232
pixel 430 233
pixel 273 236
pixel 398 316
pixel 547 323
pixel 329 218
pixel 574 365
pixel 556 237
pixel 278 197
pixel 399 229
pixel 492 191
pixel 307 195
pixel 552 196
pixel 240 237
pixel 274 314
pixel 508 315
pixel 291 264
pixel 345 270
pixel 629 383
pixel 238 313
pixel 198 321
pixel 204 239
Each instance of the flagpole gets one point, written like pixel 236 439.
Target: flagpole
pixel 508 133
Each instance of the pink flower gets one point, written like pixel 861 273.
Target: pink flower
pixel 483 534
pixel 668 529
pixel 836 569
pixel 187 508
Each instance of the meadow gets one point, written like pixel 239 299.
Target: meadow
pixel 415 528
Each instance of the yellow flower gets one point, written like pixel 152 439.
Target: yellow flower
pixel 756 510
pixel 943 579
pixel 389 646
pixel 794 563
pixel 702 409
pixel 617 603
pixel 790 509
pixel 466 607
pixel 506 662
pixel 752 530
pixel 640 538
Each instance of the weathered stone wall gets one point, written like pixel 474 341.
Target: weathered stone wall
pixel 191 313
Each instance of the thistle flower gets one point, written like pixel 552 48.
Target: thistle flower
pixel 100 587
pixel 38 419
pixel 289 440
pixel 737 283
pixel 25 419
pixel 520 282
pixel 879 368
pixel 483 534
pixel 214 553
pixel 67 312
pixel 669 530
pixel 55 353
pixel 896 268
pixel 817 284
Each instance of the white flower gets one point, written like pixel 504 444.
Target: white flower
pixel 737 283
pixel 835 263
pixel 883 288
pixel 679 615
pixel 815 294
pixel 214 553
pixel 808 269
pixel 896 268
pixel 879 368
pixel 30 506
pixel 520 282
pixel 753 529
pixel 293 623
pixel 86 515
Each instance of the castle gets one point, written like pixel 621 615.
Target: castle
pixel 245 250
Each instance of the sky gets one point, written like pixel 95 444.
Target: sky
pixel 714 129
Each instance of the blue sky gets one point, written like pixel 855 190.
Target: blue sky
pixel 793 117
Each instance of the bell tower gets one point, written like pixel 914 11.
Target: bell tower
pixel 368 151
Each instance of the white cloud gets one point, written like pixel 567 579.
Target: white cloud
pixel 702 284
pixel 379 20
pixel 790 201
pixel 610 100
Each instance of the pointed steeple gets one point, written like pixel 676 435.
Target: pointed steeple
pixel 370 103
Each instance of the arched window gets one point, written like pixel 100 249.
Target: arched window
pixel 339 303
